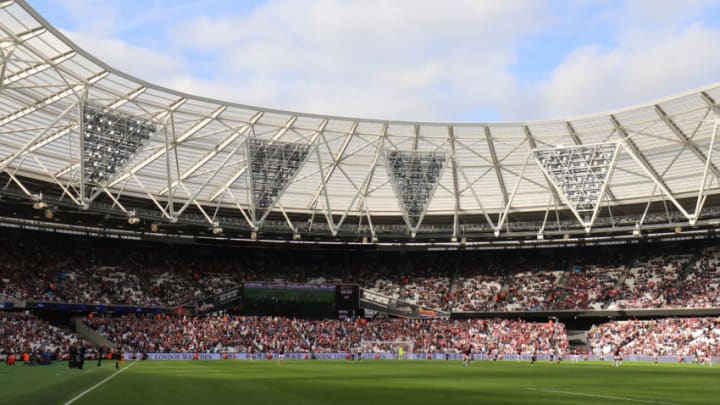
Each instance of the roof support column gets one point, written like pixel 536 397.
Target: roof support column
pixel 453 162
pixel 496 165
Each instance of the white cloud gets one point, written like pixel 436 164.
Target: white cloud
pixel 414 60
pixel 643 67
pixel 96 17
pixel 146 64
pixel 403 60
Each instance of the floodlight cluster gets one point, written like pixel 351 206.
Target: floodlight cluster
pixel 273 165
pixel 579 172
pixel 110 140
pixel 415 175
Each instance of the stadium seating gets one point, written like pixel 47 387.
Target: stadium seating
pixel 650 282
pixel 21 332
pixel 223 333
pixel 659 337
pixel 701 287
pixel 74 269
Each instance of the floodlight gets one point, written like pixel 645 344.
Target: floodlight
pixel 579 173
pixel 272 166
pixel 414 175
pixel 110 139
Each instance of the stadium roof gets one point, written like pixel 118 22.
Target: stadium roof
pixel 97 134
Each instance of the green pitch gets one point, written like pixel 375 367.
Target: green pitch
pixel 366 382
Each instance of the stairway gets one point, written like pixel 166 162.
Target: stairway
pixel 91 334
pixel 577 338
pixel 16 303
pixel 698 255
pixel 559 291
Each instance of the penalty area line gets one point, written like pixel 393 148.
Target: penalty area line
pixel 82 394
pixel 642 401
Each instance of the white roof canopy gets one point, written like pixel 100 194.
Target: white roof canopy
pixel 198 154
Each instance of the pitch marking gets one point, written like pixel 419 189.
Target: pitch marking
pixel 644 401
pixel 82 394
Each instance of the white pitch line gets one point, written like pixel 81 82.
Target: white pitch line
pixel 644 401
pixel 82 394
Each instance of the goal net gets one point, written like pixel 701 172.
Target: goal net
pixel 387 346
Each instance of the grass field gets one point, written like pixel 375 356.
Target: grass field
pixel 367 382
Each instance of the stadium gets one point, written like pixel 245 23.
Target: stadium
pixel 201 250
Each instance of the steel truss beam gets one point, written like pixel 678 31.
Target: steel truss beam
pixel 496 165
pixel 710 102
pixel 453 162
pixel 131 170
pixel 686 140
pixel 531 141
pixel 28 72
pixel 645 165
pixel 504 214
pixel 235 134
pixel 336 159
pixel 20 152
pixel 704 185
pixel 363 190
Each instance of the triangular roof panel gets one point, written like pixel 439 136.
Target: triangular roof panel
pixel 414 175
pixel 273 164
pixel 580 174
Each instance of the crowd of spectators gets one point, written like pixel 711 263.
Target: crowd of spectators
pixel 589 286
pixel 701 287
pixel 61 268
pixel 477 293
pixel 68 269
pixel 530 290
pixel 225 333
pixel 659 337
pixel 73 269
pixel 650 282
pixel 22 332
pixel 424 282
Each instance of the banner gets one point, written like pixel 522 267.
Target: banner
pixel 393 306
pixel 182 356
pixel 289 286
pixel 66 307
pixel 288 356
pixel 407 356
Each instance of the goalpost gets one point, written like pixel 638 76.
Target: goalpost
pixel 388 346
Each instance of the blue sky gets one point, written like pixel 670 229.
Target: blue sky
pixel 419 60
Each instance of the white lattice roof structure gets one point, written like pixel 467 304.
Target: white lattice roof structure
pixel 193 159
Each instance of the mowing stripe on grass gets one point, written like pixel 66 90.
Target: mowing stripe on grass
pixel 643 401
pixel 82 394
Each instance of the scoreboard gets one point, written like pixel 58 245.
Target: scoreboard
pixel 304 300
pixel 347 301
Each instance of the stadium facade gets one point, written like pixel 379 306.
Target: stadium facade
pixel 89 145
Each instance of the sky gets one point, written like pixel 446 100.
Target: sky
pixel 414 60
